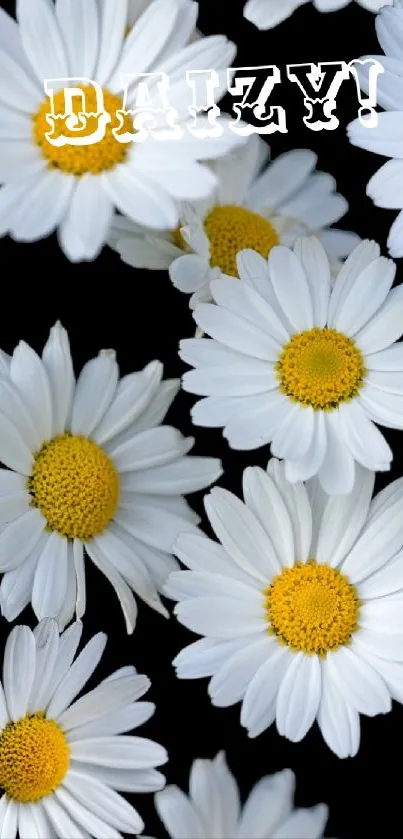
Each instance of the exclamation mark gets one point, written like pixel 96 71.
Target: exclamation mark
pixel 366 72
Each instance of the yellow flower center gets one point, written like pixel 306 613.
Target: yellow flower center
pixel 231 229
pixel 312 608
pixel 34 758
pixel 80 160
pixel 321 368
pixel 75 486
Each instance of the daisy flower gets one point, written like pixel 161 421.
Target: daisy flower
pixel 265 14
pixel 385 138
pixel 213 808
pixel 62 758
pixel 301 597
pixel 77 187
pixel 302 366
pixel 254 206
pixel 90 471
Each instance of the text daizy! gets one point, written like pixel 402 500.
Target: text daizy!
pixel 146 108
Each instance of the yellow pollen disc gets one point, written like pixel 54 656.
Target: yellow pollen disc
pixel 34 758
pixel 321 368
pixel 75 486
pixel 230 229
pixel 80 160
pixel 312 608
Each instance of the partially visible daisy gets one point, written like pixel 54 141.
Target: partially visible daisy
pixel 255 206
pixel 90 472
pixel 78 187
pixel 266 14
pixel 385 187
pixel 297 364
pixel 300 604
pixel 62 758
pixel 212 809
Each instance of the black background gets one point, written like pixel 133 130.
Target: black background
pixel 107 304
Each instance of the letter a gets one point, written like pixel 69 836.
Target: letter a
pixel 320 84
pixel 77 122
pixel 149 109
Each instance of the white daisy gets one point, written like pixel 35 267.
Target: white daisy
pixel 213 810
pixel 298 365
pixel 76 188
pixel 90 472
pixel 301 604
pixel 253 207
pixel 265 14
pixel 62 758
pixel 385 187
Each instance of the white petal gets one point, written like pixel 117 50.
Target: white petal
pixel 8 818
pixel 338 722
pixel 15 409
pixel 14 452
pixel 220 617
pixel 241 534
pixel 140 198
pixel 95 389
pixel 343 519
pixel 121 752
pixel 119 550
pixel 103 802
pixel 366 296
pixel 57 359
pixel 230 682
pixel 296 499
pixel 185 475
pixel 214 792
pixel 317 271
pixel 81 816
pixel 38 26
pixel 266 807
pixel 304 824
pixel 50 583
pixel 264 500
pixel 135 395
pixel 387 580
pixel 77 675
pixel 360 258
pixel 59 820
pixel 19 538
pixel 29 375
pixel 364 440
pixel 47 650
pixel 291 287
pixel 147 450
pixel 294 437
pixel 178 815
pixel 84 229
pixel 235 332
pixel 303 678
pixel 337 471
pixel 19 670
pixel 113 20
pixel 79 24
pixel 358 683
pixel 123 592
pixel 385 326
pixel 203 658
pixel 379 541
pixel 199 553
pixel 16 585
pixel 259 705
